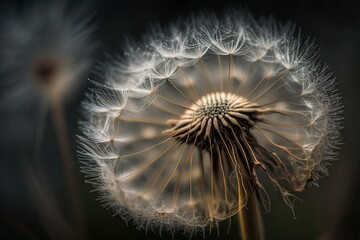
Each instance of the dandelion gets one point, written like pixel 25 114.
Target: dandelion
pixel 189 128
pixel 45 50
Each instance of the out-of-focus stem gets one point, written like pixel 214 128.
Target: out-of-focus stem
pixel 40 132
pixel 251 224
pixel 70 175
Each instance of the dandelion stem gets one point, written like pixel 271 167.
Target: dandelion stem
pixel 251 224
pixel 67 159
pixel 39 133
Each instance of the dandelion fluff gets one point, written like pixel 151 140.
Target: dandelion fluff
pixel 45 49
pixel 179 138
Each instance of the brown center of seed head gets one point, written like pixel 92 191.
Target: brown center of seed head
pixel 45 71
pixel 212 119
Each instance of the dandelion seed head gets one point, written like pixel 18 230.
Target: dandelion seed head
pixel 45 49
pixel 207 109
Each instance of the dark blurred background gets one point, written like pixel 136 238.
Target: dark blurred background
pixel 329 212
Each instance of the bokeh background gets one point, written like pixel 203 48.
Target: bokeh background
pixel 329 212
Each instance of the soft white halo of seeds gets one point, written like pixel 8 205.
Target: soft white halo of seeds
pixel 45 51
pixel 163 154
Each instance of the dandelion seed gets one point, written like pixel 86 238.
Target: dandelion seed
pixel 220 108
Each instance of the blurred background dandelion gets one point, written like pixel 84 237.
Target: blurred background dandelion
pixel 328 212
